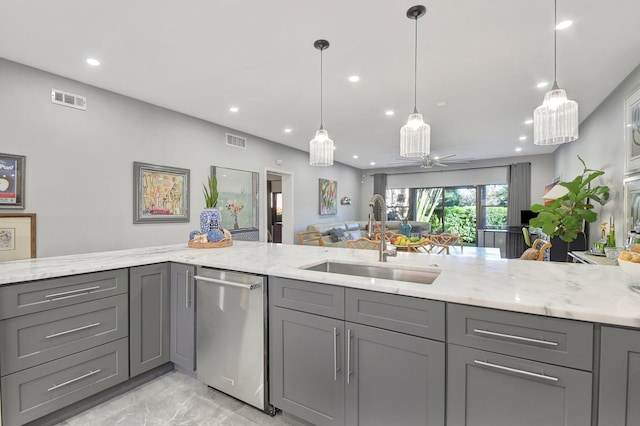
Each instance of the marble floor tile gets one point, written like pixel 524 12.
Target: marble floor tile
pixel 174 399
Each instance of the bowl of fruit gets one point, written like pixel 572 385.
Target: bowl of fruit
pixel 402 241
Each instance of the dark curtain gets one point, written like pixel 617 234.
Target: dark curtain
pixel 519 180
pixel 379 187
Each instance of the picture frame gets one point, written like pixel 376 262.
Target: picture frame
pixel 632 130
pixel 17 236
pixel 237 198
pixel 160 193
pixel 631 185
pixel 12 173
pixel 328 197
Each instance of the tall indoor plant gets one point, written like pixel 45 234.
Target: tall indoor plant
pixel 210 217
pixel 565 217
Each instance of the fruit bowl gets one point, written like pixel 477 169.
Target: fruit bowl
pixel 630 268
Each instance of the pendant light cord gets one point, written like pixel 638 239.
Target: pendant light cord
pixel 555 42
pixel 321 89
pixel 415 71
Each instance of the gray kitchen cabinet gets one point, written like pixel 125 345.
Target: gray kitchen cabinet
pixel 306 365
pixel 393 378
pixel 327 371
pixel 508 368
pixel 183 317
pixel 619 377
pixel 149 317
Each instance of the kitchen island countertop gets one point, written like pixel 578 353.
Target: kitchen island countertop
pixel 593 293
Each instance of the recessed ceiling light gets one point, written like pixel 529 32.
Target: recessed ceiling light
pixel 334 147
pixel 529 121
pixel 233 109
pixel 93 62
pixel 373 163
pixel 518 149
pixel 287 130
pixel 542 84
pixel 441 103
pixel 389 113
pixel 523 138
pixel 355 157
pixel 564 25
pixel 354 78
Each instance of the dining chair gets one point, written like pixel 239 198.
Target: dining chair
pixel 364 243
pixel 537 250
pixel 309 237
pixel 429 246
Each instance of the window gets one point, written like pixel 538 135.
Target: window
pixel 493 206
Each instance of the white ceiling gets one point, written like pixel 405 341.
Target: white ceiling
pixel 199 57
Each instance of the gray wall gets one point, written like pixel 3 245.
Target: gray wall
pixel 602 146
pixel 79 163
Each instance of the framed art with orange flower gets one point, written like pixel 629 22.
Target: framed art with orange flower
pixel 328 197
pixel 632 130
pixel 17 236
pixel 160 193
pixel 237 198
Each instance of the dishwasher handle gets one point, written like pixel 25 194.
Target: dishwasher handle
pixel 250 286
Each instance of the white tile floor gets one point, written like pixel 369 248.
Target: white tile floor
pixel 174 399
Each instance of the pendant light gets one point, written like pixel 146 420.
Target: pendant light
pixel 321 147
pixel 556 120
pixel 415 136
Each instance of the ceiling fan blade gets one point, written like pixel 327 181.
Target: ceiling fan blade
pixel 445 157
pixel 440 164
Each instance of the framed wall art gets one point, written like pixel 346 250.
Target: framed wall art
pixel 631 202
pixel 328 197
pixel 17 236
pixel 632 130
pixel 12 181
pixel 237 198
pixel 160 194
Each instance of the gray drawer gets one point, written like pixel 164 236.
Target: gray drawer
pixel 41 390
pixel 36 296
pixel 553 340
pixel 33 339
pixel 409 315
pixel 314 298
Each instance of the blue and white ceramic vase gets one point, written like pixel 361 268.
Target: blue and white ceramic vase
pixel 405 228
pixel 210 219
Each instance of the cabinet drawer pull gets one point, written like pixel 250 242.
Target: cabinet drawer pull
pixel 72 293
pixel 229 283
pixel 349 356
pixel 515 370
pixel 513 337
pixel 68 382
pixel 62 333
pixel 335 354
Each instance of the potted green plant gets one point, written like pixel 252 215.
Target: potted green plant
pixel 210 217
pixel 566 216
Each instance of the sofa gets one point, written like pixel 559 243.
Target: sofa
pixel 336 234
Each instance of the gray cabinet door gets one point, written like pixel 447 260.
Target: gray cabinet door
pixel 484 388
pixel 619 377
pixel 183 320
pixel 393 378
pixel 149 317
pixel 306 353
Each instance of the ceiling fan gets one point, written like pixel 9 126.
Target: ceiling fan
pixel 428 162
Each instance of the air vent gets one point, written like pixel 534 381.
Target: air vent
pixel 237 141
pixel 68 99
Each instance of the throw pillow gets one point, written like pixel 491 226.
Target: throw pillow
pixel 530 254
pixel 337 235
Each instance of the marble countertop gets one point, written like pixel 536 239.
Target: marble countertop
pixel 565 290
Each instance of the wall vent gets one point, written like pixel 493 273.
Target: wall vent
pixel 237 141
pixel 68 99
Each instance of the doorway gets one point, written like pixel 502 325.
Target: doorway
pixel 278 215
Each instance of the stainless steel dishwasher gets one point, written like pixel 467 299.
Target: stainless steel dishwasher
pixel 231 341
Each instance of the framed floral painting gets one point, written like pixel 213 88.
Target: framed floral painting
pixel 160 193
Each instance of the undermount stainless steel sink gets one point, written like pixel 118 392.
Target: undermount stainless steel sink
pixel 371 271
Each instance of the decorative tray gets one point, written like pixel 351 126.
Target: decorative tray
pixel 225 242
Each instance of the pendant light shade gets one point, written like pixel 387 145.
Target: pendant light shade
pixel 321 147
pixel 415 136
pixel 556 120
